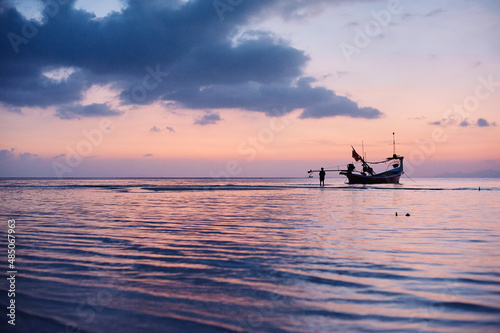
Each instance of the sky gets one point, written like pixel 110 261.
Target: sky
pixel 237 88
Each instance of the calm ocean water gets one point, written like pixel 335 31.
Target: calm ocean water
pixel 252 255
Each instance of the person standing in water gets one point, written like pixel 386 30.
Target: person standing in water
pixel 322 174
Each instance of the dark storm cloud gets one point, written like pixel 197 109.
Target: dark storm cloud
pixel 77 111
pixel 317 102
pixel 12 109
pixel 180 52
pixel 22 83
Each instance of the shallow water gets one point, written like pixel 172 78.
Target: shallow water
pixel 253 255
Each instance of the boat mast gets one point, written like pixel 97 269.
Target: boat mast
pixel 393 143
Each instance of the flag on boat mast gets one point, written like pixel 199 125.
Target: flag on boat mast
pixel 355 155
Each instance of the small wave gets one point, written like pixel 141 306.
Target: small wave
pixel 470 307
pixel 178 185
pixel 230 187
pixel 443 322
pixel 321 280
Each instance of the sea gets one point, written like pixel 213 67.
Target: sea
pixel 249 255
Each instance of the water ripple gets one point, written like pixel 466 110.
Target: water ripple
pixel 253 256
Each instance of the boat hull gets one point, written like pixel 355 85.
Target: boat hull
pixel 383 179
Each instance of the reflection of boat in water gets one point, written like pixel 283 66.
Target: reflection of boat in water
pixel 367 175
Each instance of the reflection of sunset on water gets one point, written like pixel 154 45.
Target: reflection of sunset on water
pixel 261 254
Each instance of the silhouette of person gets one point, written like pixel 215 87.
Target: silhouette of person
pixel 322 174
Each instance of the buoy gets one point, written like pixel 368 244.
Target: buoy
pixel 396 213
pixel 407 214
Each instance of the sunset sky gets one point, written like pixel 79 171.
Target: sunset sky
pixel 204 88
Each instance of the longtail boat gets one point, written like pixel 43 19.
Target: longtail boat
pixel 366 175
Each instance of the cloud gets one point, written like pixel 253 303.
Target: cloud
pixel 27 156
pixel 6 154
pixel 155 129
pixel 340 106
pixel 209 118
pixel 12 109
pixel 481 122
pixel 154 51
pixel 407 16
pixel 10 155
pixel 434 12
pixel 76 111
pixel 464 123
pixel 300 10
pixel 23 84
pixel 317 102
pixel 341 74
